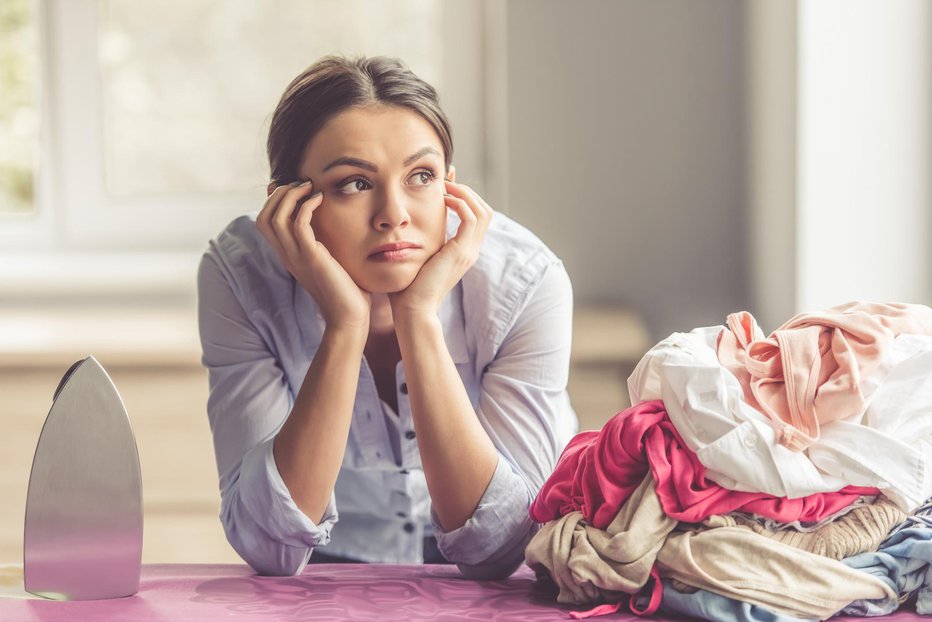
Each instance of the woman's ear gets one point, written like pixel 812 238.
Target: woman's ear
pixel 451 173
pixel 271 188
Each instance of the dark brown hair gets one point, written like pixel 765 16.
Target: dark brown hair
pixel 333 84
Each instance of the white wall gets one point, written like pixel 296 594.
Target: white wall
pixel 864 157
pixel 626 150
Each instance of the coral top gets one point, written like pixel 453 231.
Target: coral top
pixel 817 367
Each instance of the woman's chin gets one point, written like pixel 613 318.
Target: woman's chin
pixel 388 283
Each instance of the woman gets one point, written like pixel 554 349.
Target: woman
pixel 384 379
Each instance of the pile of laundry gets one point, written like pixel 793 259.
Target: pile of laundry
pixel 755 478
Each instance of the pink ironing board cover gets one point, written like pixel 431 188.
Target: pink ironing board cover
pixel 208 592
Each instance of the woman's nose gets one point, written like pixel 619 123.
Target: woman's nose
pixel 392 213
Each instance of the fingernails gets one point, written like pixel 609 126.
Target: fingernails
pixel 304 183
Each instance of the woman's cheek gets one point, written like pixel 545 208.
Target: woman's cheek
pixel 323 229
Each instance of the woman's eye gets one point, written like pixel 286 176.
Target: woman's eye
pixel 354 186
pixel 422 178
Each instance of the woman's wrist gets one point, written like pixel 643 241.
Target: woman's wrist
pixel 353 333
pixel 409 320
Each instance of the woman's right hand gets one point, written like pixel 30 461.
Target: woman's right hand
pixel 341 301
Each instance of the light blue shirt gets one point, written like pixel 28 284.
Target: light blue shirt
pixel 507 326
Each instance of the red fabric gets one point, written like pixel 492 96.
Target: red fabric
pixel 598 471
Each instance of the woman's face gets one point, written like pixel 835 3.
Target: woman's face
pixel 381 171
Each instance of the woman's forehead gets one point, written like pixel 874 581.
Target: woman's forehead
pixel 386 135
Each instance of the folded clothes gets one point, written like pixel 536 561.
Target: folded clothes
pixel 590 565
pixel 904 562
pixel 707 605
pixel 859 531
pixel 598 471
pixel 740 564
pixel 804 526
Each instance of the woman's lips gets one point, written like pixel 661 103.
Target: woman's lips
pixel 398 251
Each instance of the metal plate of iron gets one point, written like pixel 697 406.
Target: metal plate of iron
pixel 83 532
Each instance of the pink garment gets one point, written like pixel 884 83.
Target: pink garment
pixel 598 471
pixel 817 367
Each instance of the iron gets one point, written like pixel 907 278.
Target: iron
pixel 84 513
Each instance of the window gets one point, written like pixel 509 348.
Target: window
pixel 158 112
pixel 18 107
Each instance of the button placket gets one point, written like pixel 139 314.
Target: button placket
pixel 409 450
pixel 371 432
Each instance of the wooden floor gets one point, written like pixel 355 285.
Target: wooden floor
pixel 167 408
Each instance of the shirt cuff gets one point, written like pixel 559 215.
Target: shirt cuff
pixel 266 498
pixel 490 545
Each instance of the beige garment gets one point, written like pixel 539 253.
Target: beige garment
pixel 590 565
pixel 860 530
pixel 740 564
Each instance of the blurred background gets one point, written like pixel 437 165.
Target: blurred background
pixel 686 159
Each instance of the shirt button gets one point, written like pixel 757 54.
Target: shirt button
pixel 409 527
pixel 750 440
pixel 401 515
pixel 410 435
pixel 404 388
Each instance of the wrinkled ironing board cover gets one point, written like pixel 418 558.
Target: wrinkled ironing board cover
pixel 207 592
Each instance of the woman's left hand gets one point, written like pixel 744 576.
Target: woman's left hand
pixel 446 267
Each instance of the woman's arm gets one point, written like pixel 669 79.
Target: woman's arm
pixel 456 453
pixel 479 499
pixel 440 408
pixel 247 404
pixel 278 460
pixel 524 413
pixel 309 447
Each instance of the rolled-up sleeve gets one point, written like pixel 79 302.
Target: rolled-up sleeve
pixel 248 403
pixel 524 408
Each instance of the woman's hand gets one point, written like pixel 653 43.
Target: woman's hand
pixel 341 301
pixel 448 265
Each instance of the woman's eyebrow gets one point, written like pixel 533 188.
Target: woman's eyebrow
pixel 369 166
pixel 347 161
pixel 420 154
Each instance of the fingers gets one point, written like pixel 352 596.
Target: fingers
pixel 264 219
pixel 282 218
pixel 475 214
pixel 303 233
pixel 276 220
